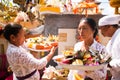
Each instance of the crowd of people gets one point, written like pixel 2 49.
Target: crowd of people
pixel 26 67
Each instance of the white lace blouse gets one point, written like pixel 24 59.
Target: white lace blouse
pixel 22 62
pixel 95 75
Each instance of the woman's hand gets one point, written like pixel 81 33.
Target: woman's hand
pixel 52 52
pixel 53 49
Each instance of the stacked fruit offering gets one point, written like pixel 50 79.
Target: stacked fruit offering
pixel 42 43
pixel 88 58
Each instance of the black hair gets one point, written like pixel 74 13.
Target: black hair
pixel 92 23
pixel 1 31
pixel 11 29
pixel 116 26
pixel 28 1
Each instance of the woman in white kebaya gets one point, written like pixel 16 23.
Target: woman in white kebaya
pixel 23 64
pixel 88 30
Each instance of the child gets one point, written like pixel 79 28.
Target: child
pixel 23 64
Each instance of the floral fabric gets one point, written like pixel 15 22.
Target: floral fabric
pixel 22 62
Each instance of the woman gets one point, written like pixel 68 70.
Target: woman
pixel 23 64
pixel 87 30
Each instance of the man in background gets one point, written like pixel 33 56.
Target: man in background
pixel 109 26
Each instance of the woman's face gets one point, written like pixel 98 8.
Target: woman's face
pixel 85 31
pixel 19 39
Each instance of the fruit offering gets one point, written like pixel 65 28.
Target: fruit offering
pixel 53 39
pixel 42 43
pixel 87 58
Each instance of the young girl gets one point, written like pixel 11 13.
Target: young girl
pixel 23 64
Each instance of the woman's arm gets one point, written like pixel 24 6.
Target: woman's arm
pixel 50 55
pixel 26 58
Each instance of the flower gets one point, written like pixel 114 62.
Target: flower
pixel 92 57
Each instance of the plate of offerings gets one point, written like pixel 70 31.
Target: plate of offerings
pixel 87 61
pixel 41 43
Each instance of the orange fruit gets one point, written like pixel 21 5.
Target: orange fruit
pixel 86 56
pixel 54 44
pixel 78 76
pixel 38 46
